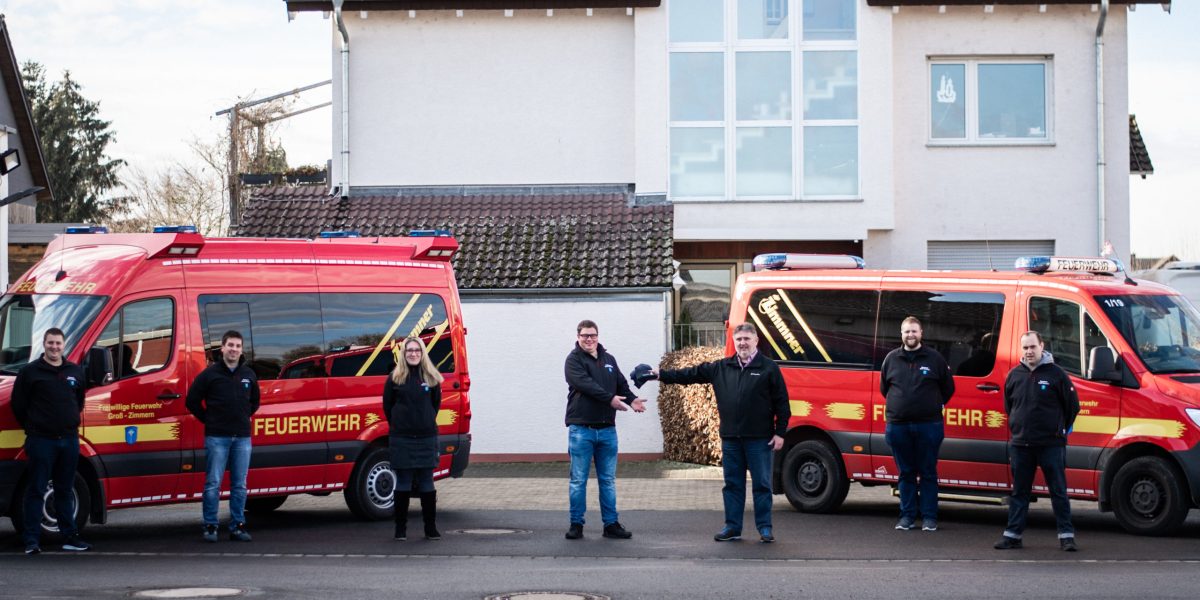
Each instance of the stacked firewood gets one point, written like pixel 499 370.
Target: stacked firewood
pixel 688 413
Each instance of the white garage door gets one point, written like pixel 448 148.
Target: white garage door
pixel 983 256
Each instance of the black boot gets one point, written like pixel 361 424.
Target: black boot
pixel 429 514
pixel 401 515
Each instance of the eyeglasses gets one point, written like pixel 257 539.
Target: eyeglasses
pixel 589 336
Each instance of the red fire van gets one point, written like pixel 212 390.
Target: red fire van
pixel 1132 350
pixel 144 314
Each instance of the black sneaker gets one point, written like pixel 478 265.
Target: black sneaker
pixel 1008 543
pixel 210 533
pixel 238 533
pixel 575 532
pixel 906 523
pixel 727 535
pixel 615 531
pixel 33 548
pixel 74 544
pixel 1068 544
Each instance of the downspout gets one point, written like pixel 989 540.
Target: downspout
pixel 1101 218
pixel 344 183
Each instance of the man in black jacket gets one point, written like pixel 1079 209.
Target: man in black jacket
pixel 1042 405
pixel 596 390
pixel 224 397
pixel 752 402
pixel 47 399
pixel 917 383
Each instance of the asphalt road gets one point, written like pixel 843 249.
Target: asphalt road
pixel 314 548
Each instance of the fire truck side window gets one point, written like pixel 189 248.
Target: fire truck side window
pixel 962 326
pixel 1059 322
pixel 140 337
pixel 362 331
pixel 829 328
pixel 281 333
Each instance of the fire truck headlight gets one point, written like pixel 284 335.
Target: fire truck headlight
pixel 1194 413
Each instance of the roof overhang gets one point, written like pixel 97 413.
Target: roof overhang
pixel 10 74
pixel 369 5
pixel 1165 3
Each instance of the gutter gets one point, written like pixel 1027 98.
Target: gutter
pixel 1101 216
pixel 344 168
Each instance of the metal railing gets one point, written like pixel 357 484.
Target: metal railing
pixel 688 335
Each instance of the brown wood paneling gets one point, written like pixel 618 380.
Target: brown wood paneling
pixel 749 249
pixel 21 257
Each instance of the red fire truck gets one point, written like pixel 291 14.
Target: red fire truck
pixel 1132 350
pixel 144 313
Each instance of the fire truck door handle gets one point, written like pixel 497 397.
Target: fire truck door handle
pixel 988 387
pixel 168 395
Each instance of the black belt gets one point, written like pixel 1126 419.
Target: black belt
pixel 600 426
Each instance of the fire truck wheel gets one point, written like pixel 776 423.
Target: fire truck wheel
pixel 369 493
pixel 814 478
pixel 83 507
pixel 1148 496
pixel 262 506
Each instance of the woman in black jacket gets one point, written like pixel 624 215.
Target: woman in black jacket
pixel 412 397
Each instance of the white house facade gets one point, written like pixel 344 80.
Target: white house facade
pixel 915 134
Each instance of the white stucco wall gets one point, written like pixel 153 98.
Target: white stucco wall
pixel 516 351
pixel 485 99
pixel 1023 192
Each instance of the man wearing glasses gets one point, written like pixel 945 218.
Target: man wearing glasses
pixel 596 390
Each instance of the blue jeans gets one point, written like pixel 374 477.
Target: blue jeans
pixel 56 459
pixel 915 447
pixel 738 455
pixel 585 446
pixel 221 451
pixel 1025 461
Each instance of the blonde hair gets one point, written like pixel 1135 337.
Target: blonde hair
pixel 429 373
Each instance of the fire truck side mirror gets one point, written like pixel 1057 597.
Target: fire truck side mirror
pixel 98 366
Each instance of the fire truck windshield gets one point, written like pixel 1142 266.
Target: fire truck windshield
pixel 1163 330
pixel 25 318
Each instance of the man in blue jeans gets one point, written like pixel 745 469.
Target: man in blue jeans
pixel 752 402
pixel 47 399
pixel 596 390
pixel 1042 405
pixel 917 383
pixel 224 397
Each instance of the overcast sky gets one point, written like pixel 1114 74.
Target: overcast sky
pixel 161 68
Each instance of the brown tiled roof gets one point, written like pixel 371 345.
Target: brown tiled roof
pixel 531 240
pixel 1139 157
pixel 353 5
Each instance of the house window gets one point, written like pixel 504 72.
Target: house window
pixel 990 101
pixel 757 112
pixel 702 303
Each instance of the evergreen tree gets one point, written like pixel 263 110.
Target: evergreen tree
pixel 74 140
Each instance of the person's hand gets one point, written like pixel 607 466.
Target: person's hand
pixel 654 372
pixel 618 402
pixel 639 405
pixel 776 443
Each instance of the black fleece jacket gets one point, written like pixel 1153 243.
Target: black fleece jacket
pixel 591 385
pixel 47 399
pixel 1041 403
pixel 752 401
pixel 224 400
pixel 412 407
pixel 916 383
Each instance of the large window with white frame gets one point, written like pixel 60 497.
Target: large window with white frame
pixel 991 100
pixel 763 99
